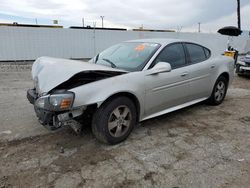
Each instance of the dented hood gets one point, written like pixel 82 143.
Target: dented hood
pixel 49 72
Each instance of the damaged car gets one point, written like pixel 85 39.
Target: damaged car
pixel 243 65
pixel 127 83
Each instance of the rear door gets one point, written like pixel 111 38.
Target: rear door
pixel 200 70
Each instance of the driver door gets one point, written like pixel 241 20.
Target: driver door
pixel 167 89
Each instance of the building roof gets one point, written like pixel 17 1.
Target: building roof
pixel 29 25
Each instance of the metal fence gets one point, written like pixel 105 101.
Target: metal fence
pixel 23 43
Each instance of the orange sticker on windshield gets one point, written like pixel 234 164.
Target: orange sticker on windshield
pixel 140 47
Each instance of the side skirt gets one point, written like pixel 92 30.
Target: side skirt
pixel 174 108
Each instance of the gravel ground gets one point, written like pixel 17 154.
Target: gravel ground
pixel 199 146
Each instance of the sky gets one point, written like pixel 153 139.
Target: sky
pixel 181 15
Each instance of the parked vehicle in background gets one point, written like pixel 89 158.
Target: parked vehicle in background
pixel 128 83
pixel 243 65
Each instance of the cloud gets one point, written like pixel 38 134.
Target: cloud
pixel 159 14
pixel 4 20
pixel 66 11
pixel 228 20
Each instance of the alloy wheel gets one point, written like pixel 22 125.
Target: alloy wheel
pixel 220 91
pixel 119 121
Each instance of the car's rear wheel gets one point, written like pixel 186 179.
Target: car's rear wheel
pixel 219 91
pixel 114 120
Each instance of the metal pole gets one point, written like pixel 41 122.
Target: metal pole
pixel 179 28
pixel 94 26
pixel 102 17
pixel 83 22
pixel 238 14
pixel 199 27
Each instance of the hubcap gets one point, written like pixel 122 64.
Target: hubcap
pixel 119 121
pixel 220 91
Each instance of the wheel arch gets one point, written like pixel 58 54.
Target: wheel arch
pixel 225 75
pixel 132 97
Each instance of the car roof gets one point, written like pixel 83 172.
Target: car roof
pixel 162 41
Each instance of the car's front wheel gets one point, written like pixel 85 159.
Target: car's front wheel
pixel 114 120
pixel 219 91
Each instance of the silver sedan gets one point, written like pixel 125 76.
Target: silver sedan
pixel 127 83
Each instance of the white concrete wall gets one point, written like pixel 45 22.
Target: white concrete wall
pixel 22 43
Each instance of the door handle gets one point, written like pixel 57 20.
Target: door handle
pixel 212 66
pixel 184 74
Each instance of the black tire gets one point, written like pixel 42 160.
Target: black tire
pixel 103 116
pixel 214 99
pixel 239 73
pixel 237 70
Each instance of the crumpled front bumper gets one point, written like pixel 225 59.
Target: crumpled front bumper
pixel 53 119
pixel 31 96
pixel 45 117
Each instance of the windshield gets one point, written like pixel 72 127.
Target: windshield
pixel 129 56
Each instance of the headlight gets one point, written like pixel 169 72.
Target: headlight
pixel 61 101
pixel 40 102
pixel 56 102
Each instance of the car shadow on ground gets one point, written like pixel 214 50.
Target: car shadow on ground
pixel 68 138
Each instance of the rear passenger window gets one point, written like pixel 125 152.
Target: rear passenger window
pixel 207 52
pixel 196 53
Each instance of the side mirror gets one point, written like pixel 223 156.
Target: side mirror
pixel 160 68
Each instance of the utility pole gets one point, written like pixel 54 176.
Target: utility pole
pixel 238 14
pixel 94 41
pixel 179 28
pixel 102 17
pixel 83 22
pixel 199 27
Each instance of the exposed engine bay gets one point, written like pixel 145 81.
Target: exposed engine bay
pixel 85 78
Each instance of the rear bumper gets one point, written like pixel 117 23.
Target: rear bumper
pixel 241 69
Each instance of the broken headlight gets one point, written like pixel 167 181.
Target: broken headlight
pixel 61 101
pixel 56 102
pixel 40 102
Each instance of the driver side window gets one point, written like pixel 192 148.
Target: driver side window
pixel 173 54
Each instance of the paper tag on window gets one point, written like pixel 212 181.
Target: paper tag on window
pixel 140 47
